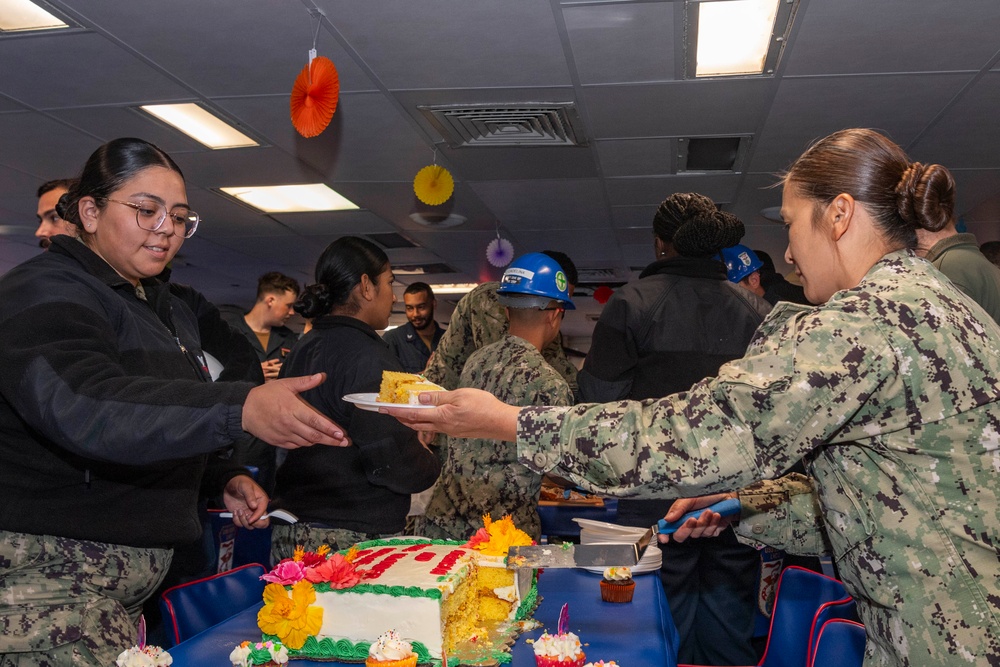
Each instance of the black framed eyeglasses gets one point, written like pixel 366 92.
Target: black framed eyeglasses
pixel 150 215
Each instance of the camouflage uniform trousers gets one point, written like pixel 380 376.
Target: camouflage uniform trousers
pixel 310 537
pixel 72 602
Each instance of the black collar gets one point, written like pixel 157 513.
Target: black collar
pixel 334 321
pixel 692 267
pixel 93 264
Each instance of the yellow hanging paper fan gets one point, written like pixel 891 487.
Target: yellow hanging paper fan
pixel 433 185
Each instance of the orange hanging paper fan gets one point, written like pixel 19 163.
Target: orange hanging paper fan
pixel 314 97
pixel 433 185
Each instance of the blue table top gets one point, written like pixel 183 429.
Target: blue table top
pixel 639 633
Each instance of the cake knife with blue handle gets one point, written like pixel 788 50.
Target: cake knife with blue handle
pixel 606 555
pixel 727 507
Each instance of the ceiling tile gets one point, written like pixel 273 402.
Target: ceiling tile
pixel 968 136
pixel 852 36
pixel 651 191
pixel 622 42
pixel 268 40
pixel 810 108
pixel 637 157
pixel 542 205
pixel 442 45
pixel 90 71
pixel 682 108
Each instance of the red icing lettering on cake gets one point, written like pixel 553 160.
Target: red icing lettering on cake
pixel 368 558
pixel 379 568
pixel 448 561
pixel 424 557
pixel 417 547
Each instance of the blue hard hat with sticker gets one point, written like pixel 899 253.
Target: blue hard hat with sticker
pixel 740 262
pixel 536 275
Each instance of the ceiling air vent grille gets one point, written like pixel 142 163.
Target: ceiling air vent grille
pixel 528 124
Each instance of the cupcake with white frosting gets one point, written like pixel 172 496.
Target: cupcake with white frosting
pixel 617 585
pixel 559 650
pixel 391 650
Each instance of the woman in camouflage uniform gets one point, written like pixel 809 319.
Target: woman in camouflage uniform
pixel 889 390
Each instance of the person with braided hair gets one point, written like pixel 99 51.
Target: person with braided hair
pixel 889 390
pixel 674 326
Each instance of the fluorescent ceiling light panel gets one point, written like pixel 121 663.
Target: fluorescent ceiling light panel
pixel 733 36
pixel 200 125
pixel 17 15
pixel 454 288
pixel 292 198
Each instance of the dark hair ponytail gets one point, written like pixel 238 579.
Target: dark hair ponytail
pixel 107 169
pixel 900 196
pixel 338 271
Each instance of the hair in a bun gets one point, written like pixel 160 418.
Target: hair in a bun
pixel 926 196
pixel 65 205
pixel 677 209
pixel 901 197
pixel 313 301
pixel 705 234
pixel 338 271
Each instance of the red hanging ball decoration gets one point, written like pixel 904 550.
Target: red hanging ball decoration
pixel 602 294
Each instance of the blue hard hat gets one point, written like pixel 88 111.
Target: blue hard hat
pixel 536 275
pixel 740 262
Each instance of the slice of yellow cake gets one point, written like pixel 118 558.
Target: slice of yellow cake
pixel 403 387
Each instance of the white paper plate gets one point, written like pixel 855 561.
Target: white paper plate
pixel 601 530
pixel 368 402
pixel 641 568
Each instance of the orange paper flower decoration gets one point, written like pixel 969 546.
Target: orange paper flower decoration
pixel 433 185
pixel 314 97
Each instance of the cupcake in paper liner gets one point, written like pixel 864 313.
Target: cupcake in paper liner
pixel 559 650
pixel 391 650
pixel 617 585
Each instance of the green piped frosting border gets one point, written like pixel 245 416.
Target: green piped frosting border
pixel 341 649
pixel 382 589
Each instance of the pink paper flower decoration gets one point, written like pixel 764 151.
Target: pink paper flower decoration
pixel 287 572
pixel 482 535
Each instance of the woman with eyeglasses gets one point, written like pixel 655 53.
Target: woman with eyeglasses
pixel 108 417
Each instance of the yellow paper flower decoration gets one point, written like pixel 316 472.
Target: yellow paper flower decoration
pixel 433 185
pixel 290 618
pixel 503 536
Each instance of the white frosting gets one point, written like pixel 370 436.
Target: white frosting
pixel 147 656
pixel 506 593
pixel 618 574
pixel 609 663
pixel 240 657
pixel 562 647
pixel 390 646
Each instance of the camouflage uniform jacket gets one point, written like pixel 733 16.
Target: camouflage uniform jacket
pixel 483 475
pixel 890 391
pixel 479 319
